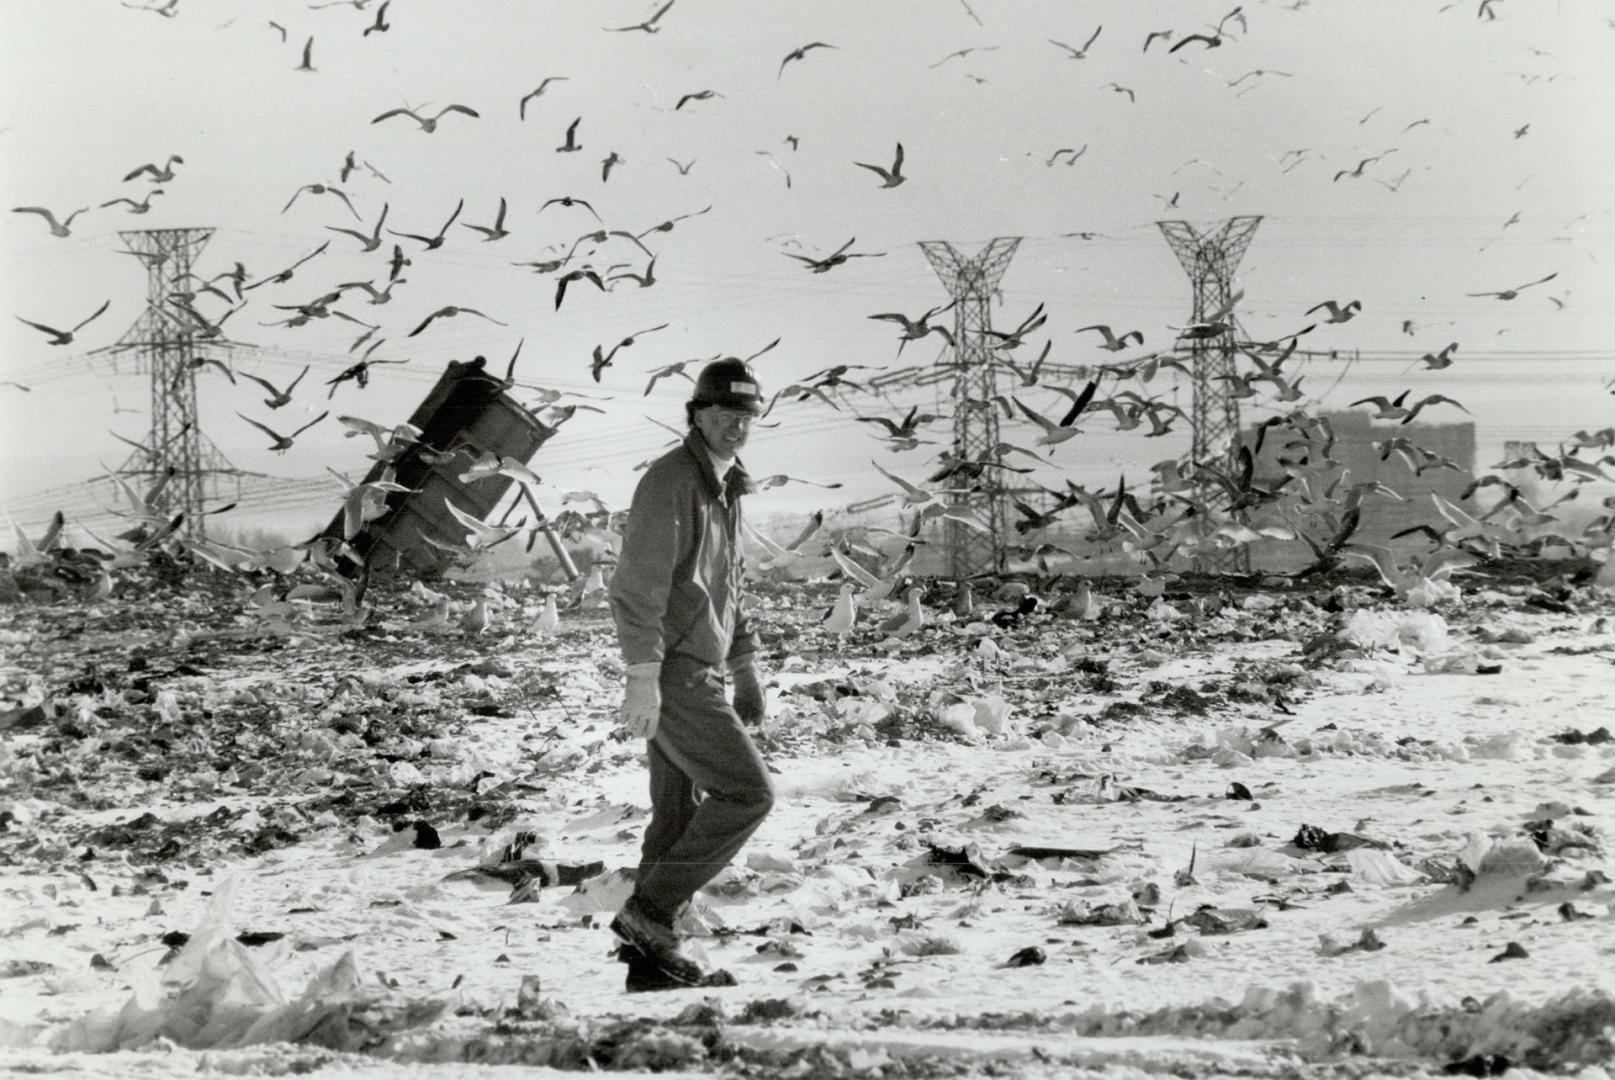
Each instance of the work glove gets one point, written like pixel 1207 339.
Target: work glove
pixel 642 701
pixel 751 704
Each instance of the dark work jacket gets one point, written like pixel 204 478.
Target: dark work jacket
pixel 677 586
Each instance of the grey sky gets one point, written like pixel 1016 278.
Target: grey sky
pixel 94 89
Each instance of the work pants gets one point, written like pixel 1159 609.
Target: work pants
pixel 709 788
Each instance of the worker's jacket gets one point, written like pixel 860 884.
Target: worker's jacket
pixel 677 587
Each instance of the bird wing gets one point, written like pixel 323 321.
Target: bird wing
pixel 854 571
pixel 460 109
pixel 310 424
pixel 267 431
pixel 852 241
pixel 885 422
pixel 265 383
pixel 1436 399
pixel 1080 402
pixel 41 326
pixel 629 340
pixel 1049 426
pixel 428 320
pixel 1453 513
pixel 900 482
pixel 390 112
pixel 458 207
pixel 475 526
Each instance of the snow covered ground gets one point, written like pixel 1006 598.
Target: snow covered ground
pixel 1286 848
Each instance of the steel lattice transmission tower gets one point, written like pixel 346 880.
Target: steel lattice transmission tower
pixel 971 282
pixel 1210 258
pixel 166 345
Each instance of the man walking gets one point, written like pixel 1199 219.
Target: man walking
pixel 685 635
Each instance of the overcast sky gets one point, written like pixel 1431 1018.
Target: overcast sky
pixel 1493 170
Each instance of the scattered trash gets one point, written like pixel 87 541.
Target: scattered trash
pixel 1313 838
pixel 1512 951
pixel 1374 867
pixel 1081 913
pixel 1367 941
pixel 1030 956
pixel 1597 737
pixel 1212 920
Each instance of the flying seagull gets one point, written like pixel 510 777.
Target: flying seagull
pixel 134 207
pixel 449 312
pixel 568 200
pixel 158 175
pixel 571 143
pixel 278 397
pixel 1082 53
pixel 64 337
pixel 801 53
pixel 1509 294
pixel 699 95
pixel 57 228
pixel 373 240
pixel 891 178
pixel 283 443
pixel 539 92
pixel 433 242
pixel 381 25
pixel 834 259
pixel 498 231
pixel 649 25
pixel 428 123
pixel 1112 342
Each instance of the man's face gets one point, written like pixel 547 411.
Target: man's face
pixel 724 429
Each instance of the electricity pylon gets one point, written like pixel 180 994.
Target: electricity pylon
pixel 165 343
pixel 971 282
pixel 1210 258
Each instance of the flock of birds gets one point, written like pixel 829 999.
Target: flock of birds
pixel 1299 493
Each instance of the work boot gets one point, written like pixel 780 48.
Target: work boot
pixel 636 925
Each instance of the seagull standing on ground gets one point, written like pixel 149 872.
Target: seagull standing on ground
pixel 842 615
